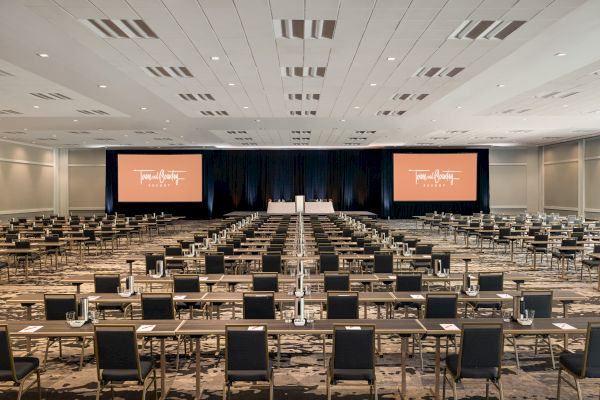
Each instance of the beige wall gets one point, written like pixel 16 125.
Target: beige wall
pixel 86 179
pixel 592 178
pixel 27 176
pixel 514 180
pixel 561 178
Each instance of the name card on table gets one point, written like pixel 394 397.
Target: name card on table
pixel 92 298
pixel 563 325
pixel 450 327
pixel 391 276
pixel 146 328
pixel 417 296
pixel 31 328
pixel 179 297
pixel 203 278
pixel 256 328
pixel 504 296
pixel 353 328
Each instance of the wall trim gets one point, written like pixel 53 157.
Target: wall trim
pixel 87 165
pixel 592 158
pixel 516 164
pixel 594 210
pixel 560 208
pixel 86 208
pixel 10 160
pixel 39 146
pixel 572 160
pixel 509 206
pixel 27 211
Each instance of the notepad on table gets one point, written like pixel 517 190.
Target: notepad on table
pixel 146 328
pixel 450 327
pixel 179 297
pixel 504 296
pixel 203 278
pixel 417 296
pixel 256 328
pixel 31 328
pixel 353 328
pixel 93 298
pixel 563 325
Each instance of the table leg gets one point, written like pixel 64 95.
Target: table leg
pixel 438 340
pixel 198 387
pixel 163 369
pixel 534 259
pixel 26 266
pixel 403 366
pixel 512 250
pixel 80 252
pixel 28 316
pixel 466 266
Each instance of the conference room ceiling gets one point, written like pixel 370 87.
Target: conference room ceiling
pixel 298 73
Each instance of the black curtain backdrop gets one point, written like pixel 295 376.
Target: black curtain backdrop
pixel 244 180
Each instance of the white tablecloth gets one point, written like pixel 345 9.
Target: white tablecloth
pixel 310 207
pixel 281 207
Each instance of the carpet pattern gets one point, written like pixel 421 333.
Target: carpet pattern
pixel 302 372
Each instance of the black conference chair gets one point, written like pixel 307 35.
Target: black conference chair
pixel 157 306
pixel 443 306
pixel 535 249
pixel 265 282
pixel 214 263
pixel 591 262
pixel 539 301
pixel 259 305
pixel 488 282
pixel 565 255
pixel 336 281
pixel 409 283
pixel 247 357
pixel 17 370
pixel 501 239
pixel 342 305
pixel 28 258
pixel 329 262
pixel 152 260
pixel 353 357
pixel 108 283
pixel 118 362
pixel 422 249
pixel 187 284
pixel 480 357
pixel 91 240
pixel 56 307
pixel 581 365
pixel 175 251
pixel 383 263
pixel 271 263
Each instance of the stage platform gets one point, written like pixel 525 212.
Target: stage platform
pixel 352 213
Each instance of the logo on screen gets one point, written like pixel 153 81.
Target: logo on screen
pixel 435 178
pixel 161 178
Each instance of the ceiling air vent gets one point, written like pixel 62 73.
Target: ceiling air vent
pixel 303 72
pixel 163 139
pixel 9 112
pixel 46 139
pixel 120 28
pixel 4 73
pixel 304 96
pixel 93 112
pixel 409 96
pixel 144 132
pixel 301 132
pixel 304 28
pixel 307 113
pixel 389 113
pixel 485 30
pixel 365 132
pixel 237 132
pixel 51 96
pixel 351 144
pixel 197 97
pixel 80 132
pixel 556 95
pixel 496 137
pixel 106 139
pixel 14 133
pixel 431 72
pixel 169 72
pixel 439 138
pixel 214 113
pixel 456 132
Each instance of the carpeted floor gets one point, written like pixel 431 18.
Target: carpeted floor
pixel 302 374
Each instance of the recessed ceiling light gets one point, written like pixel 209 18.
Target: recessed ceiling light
pixel 342 120
pixel 36 106
pixel 75 120
pixel 215 58
pixel 356 107
pixel 257 120
pixel 560 54
pixel 245 107
pixel 372 84
pixel 164 129
pixel 391 58
pixel 231 84
pixel 500 85
pixel 54 135
pixel 433 120
pixel 143 108
pixel 167 121
pixel 102 86
pixel 43 55
pixel 24 129
pixel 126 135
pixel 565 105
pixel 459 107
pixel 100 129
pixel 181 137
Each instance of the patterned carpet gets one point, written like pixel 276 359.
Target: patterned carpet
pixel 302 374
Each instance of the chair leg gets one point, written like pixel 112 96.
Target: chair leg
pixel 444 384
pixel 454 393
pixel 558 385
pixel 487 389
pixel 516 352
pixel 578 388
pixel 551 352
pixel 98 390
pixel 500 390
pixel 82 354
pixel 39 384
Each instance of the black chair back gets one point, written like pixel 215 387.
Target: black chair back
pixel 157 306
pixel 246 348
pixel 7 362
pixel 491 281
pixel 423 249
pixel 444 259
pixel 329 262
pixel 540 301
pixel 116 348
pixel 271 263
pixel 186 283
pixel 214 263
pixel 90 234
pixel 57 306
pixel 441 305
pixel 173 251
pixel 383 263
pixel 265 282
pixel 151 260
pixel 106 283
pixel 503 232
pixel 22 244
pixel 354 347
pixel 342 305
pixel 226 249
pixel 409 283
pixel 592 351
pixel 481 348
pixel 259 305
pixel 336 282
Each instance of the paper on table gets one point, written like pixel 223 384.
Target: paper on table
pixel 146 328
pixel 179 297
pixel 391 277
pixel 563 325
pixel 417 296
pixel 504 296
pixel 93 297
pixel 31 328
pixel 450 327
pixel 353 328
pixel 203 278
pixel 255 328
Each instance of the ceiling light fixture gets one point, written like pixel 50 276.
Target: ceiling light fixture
pixel 356 107
pixel 500 85
pixel 75 120
pixel 102 86
pixel 36 106
pixel 167 121
pixel 372 84
pixel 342 120
pixel 143 108
pixel 391 58
pixel 245 107
pixel 459 107
pixel 257 120
pixel 560 54
pixel 215 58
pixel 231 84
pixel 433 120
pixel 43 55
